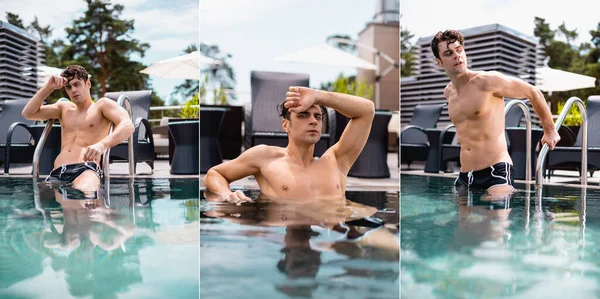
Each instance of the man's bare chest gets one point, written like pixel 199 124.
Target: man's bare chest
pixel 468 105
pixel 321 178
pixel 88 122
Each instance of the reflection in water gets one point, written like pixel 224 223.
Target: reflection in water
pixel 90 235
pixel 482 218
pixel 540 242
pixel 358 236
pixel 90 240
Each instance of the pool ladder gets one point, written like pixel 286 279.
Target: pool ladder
pixel 544 151
pixel 527 114
pixel 122 101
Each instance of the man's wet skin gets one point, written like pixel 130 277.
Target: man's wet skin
pixel 285 212
pixel 334 214
pixel 482 217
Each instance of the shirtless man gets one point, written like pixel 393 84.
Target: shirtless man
pixel 84 125
pixel 293 172
pixel 476 108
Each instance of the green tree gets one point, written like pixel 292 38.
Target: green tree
pixel 570 35
pixel 220 75
pixel 43 33
pixel 189 87
pixel 406 52
pixel 543 31
pixel 349 85
pixel 594 52
pixel 565 55
pixel 14 19
pixel 101 42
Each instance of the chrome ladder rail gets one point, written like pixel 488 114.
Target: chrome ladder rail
pixel 544 151
pixel 527 134
pixel 123 101
pixel 35 171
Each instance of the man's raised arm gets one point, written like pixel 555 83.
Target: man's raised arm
pixel 34 109
pixel 360 111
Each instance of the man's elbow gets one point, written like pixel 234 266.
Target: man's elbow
pixel 370 110
pixel 129 128
pixel 211 173
pixel 27 114
pixel 211 176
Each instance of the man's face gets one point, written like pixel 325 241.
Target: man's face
pixel 78 90
pixel 453 58
pixel 305 126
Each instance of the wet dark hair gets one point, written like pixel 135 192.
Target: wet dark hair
pixel 75 71
pixel 448 36
pixel 285 112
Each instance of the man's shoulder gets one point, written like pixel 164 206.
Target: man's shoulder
pixel 486 79
pixel 486 75
pixel 105 101
pixel 62 104
pixel 448 89
pixel 104 104
pixel 263 150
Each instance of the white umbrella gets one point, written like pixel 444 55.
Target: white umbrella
pixel 550 80
pixel 181 67
pixel 327 55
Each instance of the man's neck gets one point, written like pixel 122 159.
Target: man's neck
pixel 301 154
pixel 84 104
pixel 461 79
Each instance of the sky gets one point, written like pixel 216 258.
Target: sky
pixel 419 17
pixel 168 26
pixel 255 32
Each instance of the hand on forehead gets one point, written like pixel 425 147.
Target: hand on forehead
pixel 314 109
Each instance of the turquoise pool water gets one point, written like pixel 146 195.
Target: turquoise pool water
pixel 285 249
pixel 140 241
pixel 542 245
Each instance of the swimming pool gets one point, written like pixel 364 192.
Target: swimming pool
pixel 283 249
pixel 141 241
pixel 469 247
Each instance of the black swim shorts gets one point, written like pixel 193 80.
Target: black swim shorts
pixel 496 175
pixel 69 172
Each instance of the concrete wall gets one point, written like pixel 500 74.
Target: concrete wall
pixel 386 38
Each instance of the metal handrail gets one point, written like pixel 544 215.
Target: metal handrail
pixel 35 171
pixel 544 151
pixel 527 133
pixel 124 102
